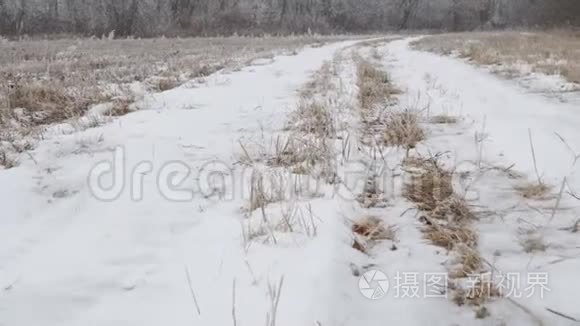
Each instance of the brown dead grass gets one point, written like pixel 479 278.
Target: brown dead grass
pixel 370 229
pixel 293 151
pixel 47 103
pixel 398 128
pixel 374 85
pixel 307 145
pixel 54 81
pixel 469 260
pixel 120 107
pixel 450 237
pixel 165 84
pixel 313 117
pixel 534 190
pixel 447 220
pixel 551 52
pixel 402 129
pixel 429 184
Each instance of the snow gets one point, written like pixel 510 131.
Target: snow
pixel 77 260
pixel 505 113
pixel 178 256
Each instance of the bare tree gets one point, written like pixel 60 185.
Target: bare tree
pixel 205 17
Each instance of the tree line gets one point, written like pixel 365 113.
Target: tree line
pixel 147 18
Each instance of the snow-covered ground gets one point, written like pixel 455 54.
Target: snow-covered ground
pixel 498 118
pixel 159 247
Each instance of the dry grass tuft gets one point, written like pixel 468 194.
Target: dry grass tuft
pixel 165 84
pixel 534 190
pixel 396 128
pixel 265 189
pixel 450 237
pixel 120 107
pixel 291 151
pixel 429 185
pixel 452 209
pixel 44 103
pixel 373 228
pixel 447 220
pixel 313 117
pixel 374 85
pixel 38 97
pixel 469 260
pixel 402 129
pixel 370 229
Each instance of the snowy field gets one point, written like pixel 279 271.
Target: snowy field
pixel 355 182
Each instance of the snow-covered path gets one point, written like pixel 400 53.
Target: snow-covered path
pixel 68 258
pixel 152 254
pixel 502 109
pixel 501 115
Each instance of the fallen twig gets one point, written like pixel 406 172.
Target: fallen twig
pixel 563 315
pixel 191 290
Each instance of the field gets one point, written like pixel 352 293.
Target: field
pixel 290 181
pixel 60 79
pixel 516 54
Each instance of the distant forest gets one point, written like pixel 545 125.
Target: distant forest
pixel 147 18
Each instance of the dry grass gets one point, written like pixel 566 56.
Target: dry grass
pixel 533 190
pixel 313 117
pixel 551 52
pixel 43 103
pixel 468 259
pixel 429 184
pixel 449 236
pixel 374 85
pixel 307 144
pixel 56 80
pixel 453 209
pixel 293 151
pixel 308 149
pixel 396 128
pixel 165 84
pixel 265 189
pixel 120 107
pixel 308 154
pixel 320 83
pixel 447 220
pixel 369 230
pixel 402 129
